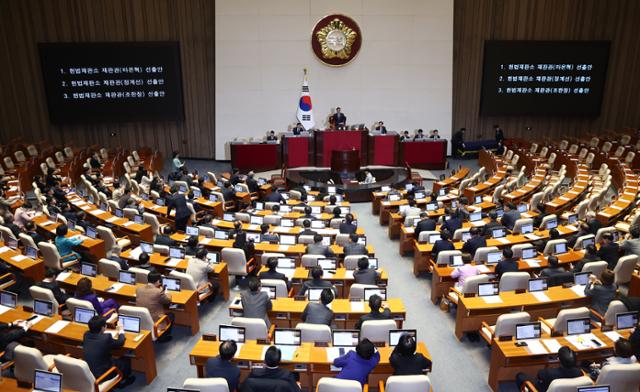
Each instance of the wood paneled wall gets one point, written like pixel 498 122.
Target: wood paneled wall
pixel 478 20
pixel 23 108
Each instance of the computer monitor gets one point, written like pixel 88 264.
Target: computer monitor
pixel 498 233
pixel 130 323
pixel 119 213
pixel 526 229
pixel 488 289
pixel 475 216
pixel 379 291
pixel 172 284
pixel 104 207
pixel 192 231
pixel 91 232
pixel 146 247
pixel 139 219
pixel 238 188
pixel 160 201
pixel 362 240
pixel 529 253
pixel 395 334
pixel 8 299
pixel 538 284
pixel 213 257
pixel 31 252
pixel 144 196
pixel 373 262
pixel 256 220
pixel 403 208
pixel 345 338
pixel 83 315
pixel 43 308
pixel 419 195
pixel 196 193
pixel 127 277
pixel 454 204
pixel 88 269
pixel 442 192
pixel 477 200
pixel 385 188
pixel 221 234
pixel 270 290
pixel 581 278
pixel 523 208
pixel 287 337
pixel 230 332
pixel 528 331
pixel 626 320
pixel 331 190
pixel 560 248
pixel 571 219
pixel 286 262
pixel 287 239
pixel 176 253
pixel 499 212
pixel 227 217
pixel 327 264
pixel 44 381
pixel 494 257
pixel 455 260
pixel 71 224
pixel 11 243
pixel 182 189
pixel 551 224
pixel 213 198
pixel 432 207
pixel 578 326
pixel 466 236
pixel 326 241
pixel 588 241
pixel 434 237
pixel 255 237
pixel 394 197
pixel 313 293
pixel 595 388
pixel 317 224
pixel 259 205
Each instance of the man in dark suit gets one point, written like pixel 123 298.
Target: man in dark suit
pixel 476 241
pixel 316 282
pixel 493 223
pixel 444 243
pixel 49 282
pixel 591 255
pixel 275 197
pixel 347 227
pixel 97 349
pixel 271 137
pixel 298 129
pixel 319 313
pixel 318 249
pixel 252 184
pixel 568 369
pixel 353 247
pixel 380 128
pixel 339 119
pixel 375 303
pixel 272 371
pixel 419 135
pixel 609 251
pixel 457 143
pixel 30 229
pixel 364 274
pixel 179 203
pixel 271 273
pixel 425 224
pixel 452 222
pixel 268 236
pixel 593 222
pixel 499 133
pixel 511 215
pixel 221 365
pixel 507 264
pixel 306 228
pixel 227 192
pixel 256 303
pixel 165 237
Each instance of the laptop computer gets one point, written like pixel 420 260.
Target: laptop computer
pixel 287 337
pixel 488 289
pixel 130 323
pixel 192 231
pixel 230 332
pixel 494 257
pixel 43 308
pixel 345 338
pixel 528 330
pixel 287 239
pixel 560 248
pixel 581 278
pixel 379 291
pixel 127 277
pixel 434 237
pixel 44 381
pixel 31 252
pixel 455 260
pixel 529 253
pixel 626 320
pixel 89 269
pixel 270 290
pixel 327 264
pixel 8 299
pixel 578 326
pixel 146 247
pixel 172 284
pixel 526 229
pixel 537 284
pixel 313 293
pixel 256 220
pixel 83 315
pixel 395 334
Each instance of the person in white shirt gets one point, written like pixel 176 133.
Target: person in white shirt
pixel 199 268
pixel 369 178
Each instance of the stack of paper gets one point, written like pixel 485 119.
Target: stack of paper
pixel 335 352
pixel 112 219
pixel 18 258
pixel 504 241
pixel 533 263
pixel 63 276
pixel 135 253
pixel 357 306
pixel 614 336
pixel 57 326
pixel 116 287
pixel 552 344
pixel 579 290
pixel 348 274
pixel 532 236
pixel 541 296
pixel 172 262
pixel 535 347
pixel 4 249
pixel 4 309
pixel 129 223
pixel 492 299
pixel 283 248
pixel 571 227
pixel 584 341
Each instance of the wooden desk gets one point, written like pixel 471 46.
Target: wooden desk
pixel 287 312
pixel 472 311
pixel 507 359
pixel 572 196
pixel 94 248
pixel 627 193
pixel 535 183
pixel 32 269
pixel 69 340
pixel 187 301
pixel 634 285
pixel 310 362
pixel 452 181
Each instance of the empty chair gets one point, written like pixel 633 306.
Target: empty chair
pixel 414 383
pixel 357 290
pixel 619 151
pixel 505 326
pixel 445 255
pixel 628 159
pixel 109 268
pixel 213 384
pixel 314 332
pixel 255 328
pixel 594 142
pixel 609 318
pixel 351 262
pixel 620 378
pixel 204 291
pixel 558 325
pixel 27 360
pixel 152 221
pixel 157 328
pixel 279 284
pixel 243 217
pixel 595 267
pixel 550 247
pixel 545 221
pixel 519 248
pixel 306 239
pixel 519 223
pixel 52 258
pixel 78 377
pixel 511 281
pixel 27 240
pixel 377 330
pixel 32 150
pixel 269 255
pixel 236 261
pixel 424 235
pixel 273 220
pixel 327 384
pixel 624 269
pixel 45 294
pixel 162 249
pixel 481 253
pixel 7 233
pixel 308 261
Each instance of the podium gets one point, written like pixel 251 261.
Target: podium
pixel 383 149
pixel 255 156
pixel 331 140
pixel 297 150
pixel 345 161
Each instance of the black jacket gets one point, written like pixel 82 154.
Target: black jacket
pixel 546 376
pixel 162 239
pixel 610 253
pixel 347 228
pixel 97 351
pixel 275 197
pixel 424 225
pixel 408 365
pixel 508 265
pixel 179 203
pixel 473 244
pixel 439 246
pixel 384 315
pixel 317 313
pixel 9 334
pixel 271 379
pixel 268 274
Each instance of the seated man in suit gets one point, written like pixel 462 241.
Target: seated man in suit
pixel 256 303
pixel 380 128
pixel 306 228
pixel 353 247
pixel 318 249
pixel 298 129
pixel 251 182
pixel 49 282
pixel 492 224
pixel 268 236
pixel 339 119
pixel 591 255
pixel 593 222
pixel 347 227
pixel 405 137
pixel 419 135
pixel 275 197
pixel 228 192
pixel 631 246
pixel 316 282
pixel 507 264
pixel 444 243
pixel 221 365
pixel 609 251
pixel 30 229
pixel 364 274
pixel 272 371
pixel 154 298
pixel 97 348
pixel 452 221
pixel 476 241
pixel 165 237
pixel 568 369
pixel 553 268
pixel 511 215
pixel 271 137
pixel 271 273
pixel 319 313
pixel 425 224
pixel 434 135
pixel 375 303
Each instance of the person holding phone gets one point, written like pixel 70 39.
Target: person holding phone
pixel 154 298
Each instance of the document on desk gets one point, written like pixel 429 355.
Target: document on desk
pixel 172 262
pixel 541 296
pixel 4 309
pixel 57 326
pixel 571 227
pixel 533 263
pixel 62 276
pixel 552 345
pixel 288 352
pixel 97 212
pixel 357 306
pixel 614 336
pixel 492 299
pixel 254 227
pixel 215 222
pixel 129 223
pixel 135 253
pixel 483 269
pixel 348 274
pixel 4 249
pixel 18 258
pixel 578 289
pixel 584 341
pixel 116 287
pixel 535 347
pixel 504 241
pixel 288 272
pixel 335 352
pixel 532 236
pixel 112 219
pixel 283 248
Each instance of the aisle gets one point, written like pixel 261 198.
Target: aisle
pixel 457 366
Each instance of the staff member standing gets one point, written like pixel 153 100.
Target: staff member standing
pixel 339 119
pixel 179 203
pixel 457 143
